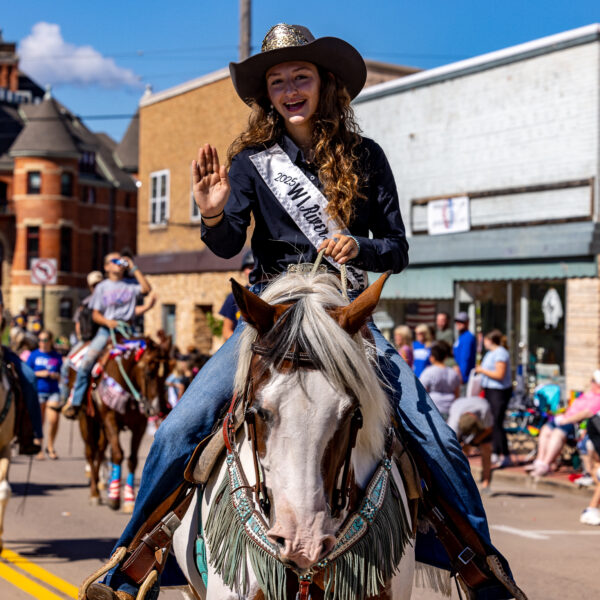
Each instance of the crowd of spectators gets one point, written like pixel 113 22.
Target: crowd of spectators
pixel 473 397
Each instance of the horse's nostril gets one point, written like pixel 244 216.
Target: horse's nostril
pixel 327 545
pixel 279 541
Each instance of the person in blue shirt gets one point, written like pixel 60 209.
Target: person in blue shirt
pixel 497 387
pixel 422 348
pixel 46 364
pixel 230 311
pixel 302 174
pixel 465 347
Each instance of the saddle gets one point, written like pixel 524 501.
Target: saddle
pixel 23 430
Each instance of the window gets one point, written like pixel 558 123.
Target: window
pixel 66 184
pixel 195 211
pixel 66 237
pixel 33 244
pixel 65 308
pixel 168 320
pixel 88 194
pixel 34 182
pixel 159 197
pixel 87 162
pixel 31 305
pixel 3 197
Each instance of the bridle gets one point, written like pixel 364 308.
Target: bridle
pixel 294 359
pixel 144 375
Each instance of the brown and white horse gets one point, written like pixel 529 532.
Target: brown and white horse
pixel 100 425
pixel 315 438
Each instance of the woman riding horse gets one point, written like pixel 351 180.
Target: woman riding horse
pixel 312 182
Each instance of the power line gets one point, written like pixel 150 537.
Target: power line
pixel 203 49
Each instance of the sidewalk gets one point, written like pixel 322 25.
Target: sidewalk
pixel 517 474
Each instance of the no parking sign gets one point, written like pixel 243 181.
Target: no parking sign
pixel 43 271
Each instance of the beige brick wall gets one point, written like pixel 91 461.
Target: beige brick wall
pixel 187 291
pixel 582 335
pixel 171 131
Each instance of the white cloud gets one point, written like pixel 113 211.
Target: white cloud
pixel 48 59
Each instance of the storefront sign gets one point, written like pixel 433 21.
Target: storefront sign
pixel 450 215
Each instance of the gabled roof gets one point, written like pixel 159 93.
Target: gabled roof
pixel 49 129
pixel 126 154
pixel 45 133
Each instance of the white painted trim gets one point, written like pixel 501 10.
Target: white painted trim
pixel 545 45
pixel 182 88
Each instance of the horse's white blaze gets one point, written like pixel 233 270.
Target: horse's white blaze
pixel 303 407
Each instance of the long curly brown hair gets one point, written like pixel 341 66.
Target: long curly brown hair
pixel 336 136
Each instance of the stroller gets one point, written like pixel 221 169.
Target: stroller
pixel 523 423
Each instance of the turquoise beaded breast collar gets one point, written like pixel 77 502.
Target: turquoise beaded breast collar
pixel 365 556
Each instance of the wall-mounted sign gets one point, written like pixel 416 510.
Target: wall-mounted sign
pixel 450 215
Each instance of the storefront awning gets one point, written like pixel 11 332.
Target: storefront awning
pixel 562 241
pixel 437 282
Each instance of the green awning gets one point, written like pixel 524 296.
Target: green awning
pixel 437 282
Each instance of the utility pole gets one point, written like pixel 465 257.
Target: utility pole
pixel 245 23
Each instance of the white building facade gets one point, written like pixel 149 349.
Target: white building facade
pixel 517 133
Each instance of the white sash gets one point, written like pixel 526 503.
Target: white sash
pixel 304 202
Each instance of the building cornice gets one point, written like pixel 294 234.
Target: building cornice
pixel 182 88
pixel 484 62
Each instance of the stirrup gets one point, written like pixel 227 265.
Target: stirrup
pixel 115 559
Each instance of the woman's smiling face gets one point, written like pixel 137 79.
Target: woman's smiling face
pixel 293 89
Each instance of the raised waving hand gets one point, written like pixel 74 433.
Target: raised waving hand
pixel 210 185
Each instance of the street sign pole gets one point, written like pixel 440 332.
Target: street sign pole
pixel 43 305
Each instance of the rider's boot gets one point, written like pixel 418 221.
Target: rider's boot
pixel 100 591
pixel 24 432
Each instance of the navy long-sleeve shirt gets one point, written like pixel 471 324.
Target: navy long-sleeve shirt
pixel 277 241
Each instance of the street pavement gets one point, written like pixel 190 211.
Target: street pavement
pixel 53 539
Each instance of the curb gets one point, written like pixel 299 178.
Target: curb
pixel 525 480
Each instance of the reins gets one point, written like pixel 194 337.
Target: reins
pixel 343 273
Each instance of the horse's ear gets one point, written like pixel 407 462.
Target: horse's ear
pixel 352 317
pixel 256 312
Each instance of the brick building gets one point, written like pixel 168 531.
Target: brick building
pixel 191 282
pixel 66 193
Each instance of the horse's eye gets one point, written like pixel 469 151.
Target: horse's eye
pixel 263 414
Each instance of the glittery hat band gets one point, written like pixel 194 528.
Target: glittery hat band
pixel 286 36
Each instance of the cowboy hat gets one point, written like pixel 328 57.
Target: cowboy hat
pixel 286 43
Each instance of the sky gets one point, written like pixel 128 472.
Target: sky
pixel 100 56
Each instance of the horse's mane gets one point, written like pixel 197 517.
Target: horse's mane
pixel 349 363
